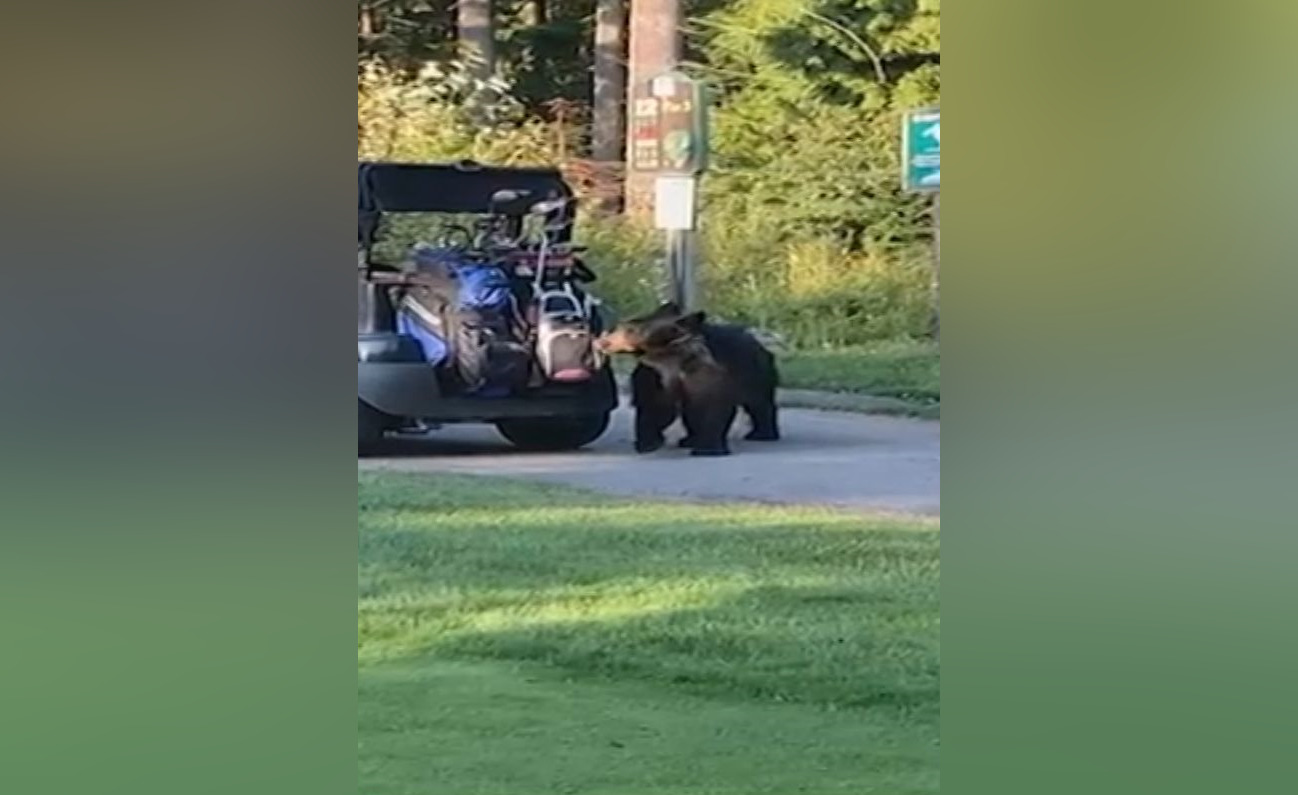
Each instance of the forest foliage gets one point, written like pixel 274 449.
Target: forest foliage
pixel 806 228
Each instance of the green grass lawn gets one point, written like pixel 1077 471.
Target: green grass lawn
pixel 909 371
pixel 520 640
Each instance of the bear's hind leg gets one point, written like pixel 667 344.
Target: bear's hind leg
pixel 765 417
pixel 759 397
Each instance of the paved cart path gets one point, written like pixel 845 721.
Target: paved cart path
pixel 847 460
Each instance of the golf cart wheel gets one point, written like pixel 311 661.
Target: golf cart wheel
pixel 370 424
pixel 553 434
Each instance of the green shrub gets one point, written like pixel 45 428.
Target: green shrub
pixel 629 261
pixel 815 293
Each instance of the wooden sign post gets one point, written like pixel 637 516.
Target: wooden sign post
pixel 669 140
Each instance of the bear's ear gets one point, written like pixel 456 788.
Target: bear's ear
pixel 694 321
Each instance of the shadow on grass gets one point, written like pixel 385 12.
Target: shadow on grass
pixel 752 603
pixel 829 646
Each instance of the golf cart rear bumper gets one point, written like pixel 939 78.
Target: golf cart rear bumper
pixel 410 390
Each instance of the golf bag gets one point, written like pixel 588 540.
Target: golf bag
pixel 463 313
pixel 565 337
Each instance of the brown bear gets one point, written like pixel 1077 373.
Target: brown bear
pixel 700 371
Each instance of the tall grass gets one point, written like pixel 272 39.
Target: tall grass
pixel 803 284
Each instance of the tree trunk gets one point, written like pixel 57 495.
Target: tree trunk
pixel 609 99
pixel 369 27
pixel 535 12
pixel 477 37
pixel 655 48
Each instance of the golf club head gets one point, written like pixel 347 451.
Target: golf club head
pixel 549 206
pixel 507 195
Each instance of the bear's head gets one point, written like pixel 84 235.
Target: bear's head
pixel 659 331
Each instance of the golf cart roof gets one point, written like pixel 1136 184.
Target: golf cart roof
pixel 464 187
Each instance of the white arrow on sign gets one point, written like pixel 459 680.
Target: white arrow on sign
pixel 935 132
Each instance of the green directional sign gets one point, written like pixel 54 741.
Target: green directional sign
pixel 922 151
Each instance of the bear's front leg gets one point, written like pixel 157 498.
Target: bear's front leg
pixel 689 440
pixel 655 409
pixel 710 422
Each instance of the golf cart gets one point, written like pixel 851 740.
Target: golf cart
pixel 487 322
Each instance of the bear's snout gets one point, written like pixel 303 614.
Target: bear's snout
pixel 616 341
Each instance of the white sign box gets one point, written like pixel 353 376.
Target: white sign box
pixel 674 202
